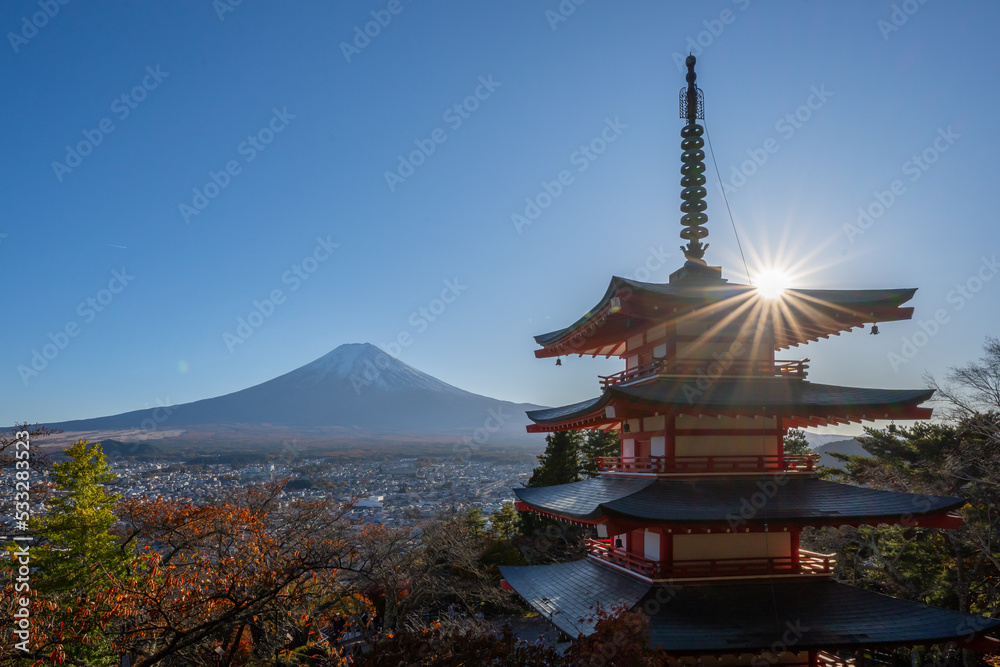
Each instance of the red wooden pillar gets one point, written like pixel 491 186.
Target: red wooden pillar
pixel 666 553
pixel 781 442
pixel 669 441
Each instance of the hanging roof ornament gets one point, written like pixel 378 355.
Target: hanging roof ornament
pixel 692 103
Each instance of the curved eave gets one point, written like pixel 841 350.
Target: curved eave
pixel 717 619
pixel 824 615
pixel 729 502
pixel 800 402
pixel 568 593
pixel 801 317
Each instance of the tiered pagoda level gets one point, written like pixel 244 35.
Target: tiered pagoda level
pixel 698 521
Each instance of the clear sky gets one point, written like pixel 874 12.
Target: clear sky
pixel 173 163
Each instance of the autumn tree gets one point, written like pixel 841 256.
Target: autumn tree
pixel 246 577
pixel 431 570
pixel 973 388
pixel 620 639
pixel 453 641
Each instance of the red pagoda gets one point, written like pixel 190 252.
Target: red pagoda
pixel 697 522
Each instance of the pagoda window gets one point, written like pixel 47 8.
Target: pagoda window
pixel 628 447
pixel 660 351
pixel 632 362
pixel 651 545
pixel 634 342
pixel 658 446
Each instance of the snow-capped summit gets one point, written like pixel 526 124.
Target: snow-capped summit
pixel 364 365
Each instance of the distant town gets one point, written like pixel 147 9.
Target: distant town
pixel 399 492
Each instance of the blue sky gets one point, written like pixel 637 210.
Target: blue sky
pixel 211 154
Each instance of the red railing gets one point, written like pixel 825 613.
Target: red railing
pixel 778 368
pixel 807 562
pixel 605 551
pixel 699 464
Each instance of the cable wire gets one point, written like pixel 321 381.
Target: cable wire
pixel 726 199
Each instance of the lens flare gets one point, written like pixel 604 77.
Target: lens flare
pixel 772 283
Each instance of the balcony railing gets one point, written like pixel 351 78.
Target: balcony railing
pixel 663 465
pixel 807 562
pixel 603 550
pixel 778 368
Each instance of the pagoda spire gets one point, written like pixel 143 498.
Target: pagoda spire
pixel 692 104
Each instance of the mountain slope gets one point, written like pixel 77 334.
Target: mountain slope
pixel 356 388
pixel 849 446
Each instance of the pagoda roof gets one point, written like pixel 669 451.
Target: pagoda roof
pixel 804 403
pixel 741 617
pixel 566 592
pixel 724 500
pixel 799 315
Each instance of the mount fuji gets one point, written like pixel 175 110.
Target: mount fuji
pixel 356 393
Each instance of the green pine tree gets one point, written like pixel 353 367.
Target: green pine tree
pixel 505 522
pixel 560 462
pixel 796 443
pixel 597 443
pixel 76 550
